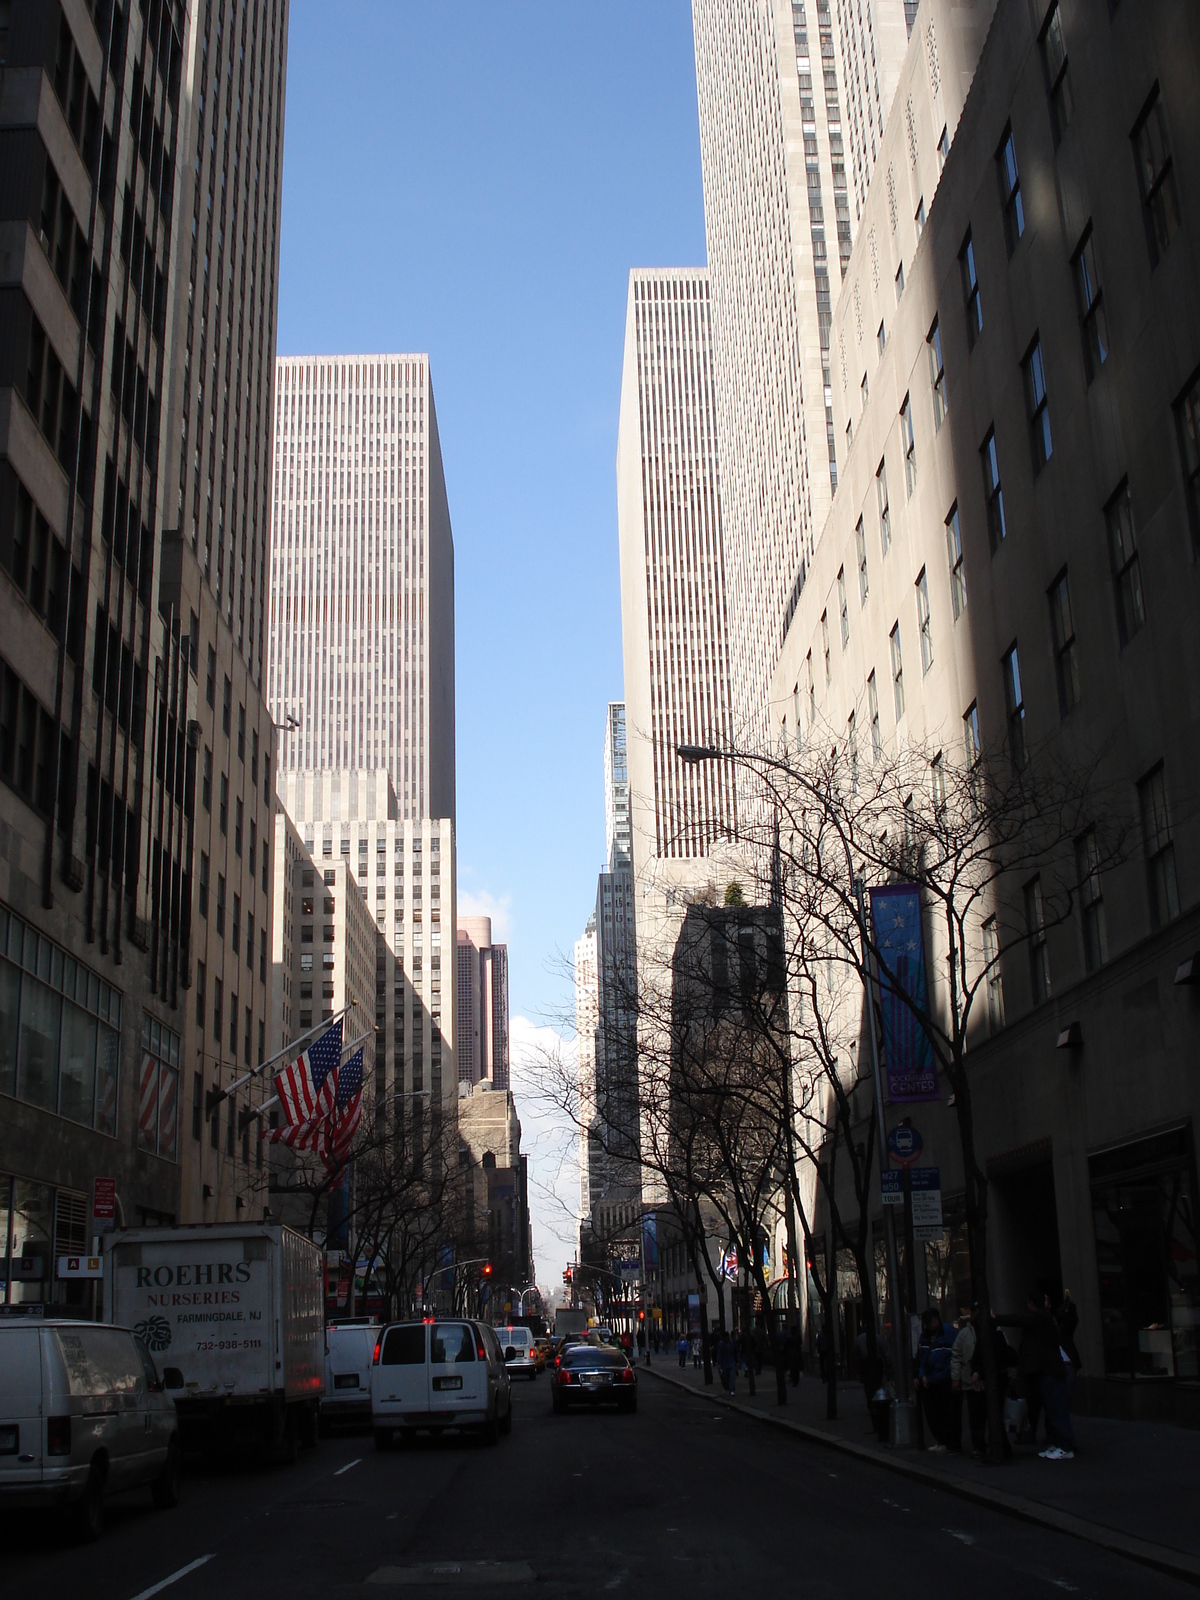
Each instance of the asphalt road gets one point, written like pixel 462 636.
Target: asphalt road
pixel 680 1500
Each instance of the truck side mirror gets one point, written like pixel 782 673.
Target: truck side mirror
pixel 172 1378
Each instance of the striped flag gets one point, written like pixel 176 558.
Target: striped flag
pixel 297 1136
pixel 307 1086
pixel 347 1115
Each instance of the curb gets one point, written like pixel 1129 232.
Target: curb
pixel 1160 1557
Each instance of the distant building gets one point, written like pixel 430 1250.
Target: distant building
pixel 619 850
pixel 482 976
pixel 489 1133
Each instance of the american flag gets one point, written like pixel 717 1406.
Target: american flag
pixel 306 1087
pixel 297 1136
pixel 343 1125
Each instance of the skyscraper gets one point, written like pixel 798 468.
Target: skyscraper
pixel 673 619
pixel 482 1004
pixel 616 789
pixel 773 78
pixel 362 595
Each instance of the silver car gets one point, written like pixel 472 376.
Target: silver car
pixel 83 1414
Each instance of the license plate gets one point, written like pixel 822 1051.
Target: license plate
pixel 345 1380
pixel 9 1441
pixel 447 1383
pixel 593 1380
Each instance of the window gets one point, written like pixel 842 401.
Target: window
pixel 937 374
pixel 880 337
pixel 825 647
pixel 1066 656
pixel 206 780
pixel 971 730
pixel 197 1106
pixel 923 622
pixel 1156 175
pixel 1091 900
pixel 992 492
pixel 1188 415
pixel 221 904
pixel 873 708
pixel 860 542
pixel 235 939
pixel 799 746
pixel 227 707
pixel 937 781
pixel 919 218
pixel 864 390
pixel 1010 190
pixel 217 999
pixel 210 682
pixel 995 983
pixel 1035 400
pixel 1126 568
pixel 812 707
pixel 954 554
pixel 970 283
pixel 158 1095
pixel 1035 933
pixel 203 889
pixel 223 811
pixel 943 147
pixel 1092 320
pixel 843 609
pixel 908 444
pixel 897 671
pixel 233 1012
pixel 1160 850
pixel 201 998
pixel 1014 706
pixel 1058 79
pixel 899 282
pixel 885 519
pixel 852 750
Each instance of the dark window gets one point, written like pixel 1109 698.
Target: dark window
pixel 203 885
pixel 1035 932
pixel 1092 320
pixel 217 998
pixel 223 808
pixel 970 283
pixel 1058 77
pixel 227 707
pixel 885 516
pixel 1034 370
pixel 1188 414
pixel 1066 656
pixel 210 681
pixel 992 492
pixel 861 550
pixel 1091 899
pixel 1156 175
pixel 404 1346
pixel 241 737
pixel 1159 847
pixel 200 997
pixel 897 671
pixel 1014 705
pixel 937 374
pixel 206 779
pixel 238 812
pixel 908 445
pixel 954 554
pixel 197 1106
pixel 923 622
pixel 1126 568
pixel 1010 190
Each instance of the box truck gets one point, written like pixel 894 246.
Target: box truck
pixel 238 1309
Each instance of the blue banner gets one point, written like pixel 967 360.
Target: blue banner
pixel 337 1231
pixel 910 1070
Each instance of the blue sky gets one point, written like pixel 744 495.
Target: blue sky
pixel 476 182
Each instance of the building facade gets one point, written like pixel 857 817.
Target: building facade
pixel 1012 555
pixel 482 975
pixel 618 839
pixel 109 160
pixel 362 618
pixel 782 85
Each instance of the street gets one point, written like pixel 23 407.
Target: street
pixel 680 1499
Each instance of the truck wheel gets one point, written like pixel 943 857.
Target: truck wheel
pixel 165 1487
pixel 383 1438
pixel 506 1420
pixel 89 1510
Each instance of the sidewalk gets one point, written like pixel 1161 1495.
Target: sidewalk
pixel 1130 1489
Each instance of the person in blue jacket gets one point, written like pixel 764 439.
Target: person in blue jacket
pixel 933 1379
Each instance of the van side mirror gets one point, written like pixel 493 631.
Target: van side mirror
pixel 172 1378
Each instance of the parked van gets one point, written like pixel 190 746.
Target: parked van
pixel 438 1375
pixel 349 1351
pixel 83 1414
pixel 520 1355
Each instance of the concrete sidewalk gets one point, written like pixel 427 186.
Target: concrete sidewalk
pixel 1130 1489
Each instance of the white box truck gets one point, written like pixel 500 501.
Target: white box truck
pixel 239 1309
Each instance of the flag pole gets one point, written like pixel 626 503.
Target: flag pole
pixel 214 1097
pixel 246 1117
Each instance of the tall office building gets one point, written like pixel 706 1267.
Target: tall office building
pixel 113 123
pixel 781 85
pixel 618 843
pixel 673 606
pixel 586 1022
pixel 362 593
pixel 482 969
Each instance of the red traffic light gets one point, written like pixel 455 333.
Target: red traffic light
pixel 641 1316
pixel 567 1275
pixel 487 1269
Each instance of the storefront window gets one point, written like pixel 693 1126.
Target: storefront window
pixel 77 1085
pixel 1143 1207
pixel 32 1266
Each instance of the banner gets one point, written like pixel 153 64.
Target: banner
pixel 909 1068
pixel 650 1240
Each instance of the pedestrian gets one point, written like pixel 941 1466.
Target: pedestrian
pixel 1067 1317
pixel 727 1362
pixel 681 1350
pixel 1042 1370
pixel 933 1378
pixel 696 1350
pixel 966 1383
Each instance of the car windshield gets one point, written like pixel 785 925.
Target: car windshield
pixel 598 1355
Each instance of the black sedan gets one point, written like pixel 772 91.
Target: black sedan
pixel 594 1375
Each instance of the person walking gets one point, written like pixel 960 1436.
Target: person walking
pixel 681 1350
pixel 1039 1359
pixel 696 1350
pixel 934 1354
pixel 727 1363
pixel 966 1384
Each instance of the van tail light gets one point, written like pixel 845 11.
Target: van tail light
pixel 479 1350
pixel 58 1436
pixel 378 1348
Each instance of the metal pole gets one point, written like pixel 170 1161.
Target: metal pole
pixel 902 1418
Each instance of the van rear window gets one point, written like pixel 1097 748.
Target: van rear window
pixel 404 1347
pixel 451 1341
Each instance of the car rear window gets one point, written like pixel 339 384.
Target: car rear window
pixel 586 1355
pixel 405 1346
pixel 451 1341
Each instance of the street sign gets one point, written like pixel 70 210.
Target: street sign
pixel 905 1144
pixel 80 1266
pixel 893 1188
pixel 926 1200
pixel 104 1204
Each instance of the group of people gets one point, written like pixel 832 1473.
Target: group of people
pixel 950 1368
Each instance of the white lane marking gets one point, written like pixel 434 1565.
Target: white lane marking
pixel 1061 1583
pixel 356 1462
pixel 175 1577
pixel 957 1533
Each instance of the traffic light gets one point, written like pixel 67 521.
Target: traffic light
pixel 566 1275
pixel 486 1269
pixel 641 1316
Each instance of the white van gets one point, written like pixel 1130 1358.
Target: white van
pixel 520 1353
pixel 83 1414
pixel 439 1375
pixel 349 1351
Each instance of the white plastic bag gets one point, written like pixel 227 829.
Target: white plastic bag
pixel 1016 1417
